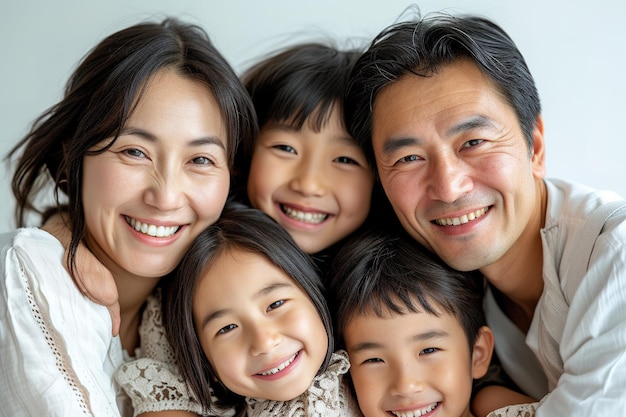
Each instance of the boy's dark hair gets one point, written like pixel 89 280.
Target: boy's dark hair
pixel 423 47
pixel 242 228
pixel 380 272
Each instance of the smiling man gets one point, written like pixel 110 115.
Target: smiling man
pixel 449 114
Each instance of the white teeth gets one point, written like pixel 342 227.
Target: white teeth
pixel 151 229
pixel 303 216
pixel 279 367
pixel 455 221
pixel 416 413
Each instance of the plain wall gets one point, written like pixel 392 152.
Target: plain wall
pixel 575 50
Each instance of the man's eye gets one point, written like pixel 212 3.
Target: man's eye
pixel 226 329
pixel 408 158
pixel 428 351
pixel 373 360
pixel 473 142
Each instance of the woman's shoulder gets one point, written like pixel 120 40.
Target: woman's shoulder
pixel 31 241
pixel 60 330
pixel 32 261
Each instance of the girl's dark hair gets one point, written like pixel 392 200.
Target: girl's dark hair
pixel 98 101
pixel 241 228
pixel 302 82
pixel 381 273
pixel 422 47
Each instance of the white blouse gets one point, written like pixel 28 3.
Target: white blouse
pixel 57 353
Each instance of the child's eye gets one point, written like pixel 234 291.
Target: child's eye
pixel 428 351
pixel 285 148
pixel 226 329
pixel 373 360
pixel 275 305
pixel 345 160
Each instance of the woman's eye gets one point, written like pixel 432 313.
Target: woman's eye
pixel 275 305
pixel 373 360
pixel 134 152
pixel 226 329
pixel 285 148
pixel 202 160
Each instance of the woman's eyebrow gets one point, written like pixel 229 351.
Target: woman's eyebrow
pixel 203 140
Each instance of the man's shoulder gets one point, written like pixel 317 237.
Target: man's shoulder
pixel 570 202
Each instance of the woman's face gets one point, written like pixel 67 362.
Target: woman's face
pixel 259 330
pixel 163 181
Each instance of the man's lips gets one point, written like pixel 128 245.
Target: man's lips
pixel 465 218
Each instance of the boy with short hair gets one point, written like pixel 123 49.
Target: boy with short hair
pixel 413 327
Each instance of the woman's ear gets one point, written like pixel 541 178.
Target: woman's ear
pixel 483 350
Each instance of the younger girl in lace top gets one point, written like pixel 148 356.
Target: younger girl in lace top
pixel 247 319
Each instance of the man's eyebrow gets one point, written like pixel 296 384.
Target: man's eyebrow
pixel 474 122
pixel 394 144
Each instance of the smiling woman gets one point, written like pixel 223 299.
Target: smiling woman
pixel 172 164
pixel 141 148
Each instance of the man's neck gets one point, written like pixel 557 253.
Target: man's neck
pixel 517 277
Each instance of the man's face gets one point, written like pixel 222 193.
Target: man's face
pixel 455 165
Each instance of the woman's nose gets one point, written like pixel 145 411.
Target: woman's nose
pixel 165 191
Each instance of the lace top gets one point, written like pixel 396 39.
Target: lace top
pixel 154 384
pixel 518 410
pixel 328 396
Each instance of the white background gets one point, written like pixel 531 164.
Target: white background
pixel 576 51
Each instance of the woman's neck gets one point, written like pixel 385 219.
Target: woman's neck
pixel 133 292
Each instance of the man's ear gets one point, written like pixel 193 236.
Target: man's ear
pixel 538 159
pixel 483 350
